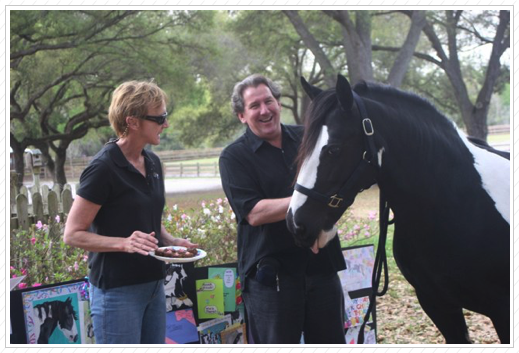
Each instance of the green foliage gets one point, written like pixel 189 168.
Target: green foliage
pixel 208 124
pixel 212 226
pixel 41 255
pixel 65 64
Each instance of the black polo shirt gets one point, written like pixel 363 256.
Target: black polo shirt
pixel 252 169
pixel 129 202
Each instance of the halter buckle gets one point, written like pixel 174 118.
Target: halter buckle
pixel 335 201
pixel 367 125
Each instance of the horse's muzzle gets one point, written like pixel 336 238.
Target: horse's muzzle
pixel 299 231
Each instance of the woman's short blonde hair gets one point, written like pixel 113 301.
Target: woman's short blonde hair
pixel 133 98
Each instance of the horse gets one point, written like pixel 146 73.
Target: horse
pixel 52 314
pixel 450 197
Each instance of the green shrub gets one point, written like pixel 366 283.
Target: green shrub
pixel 212 227
pixel 42 257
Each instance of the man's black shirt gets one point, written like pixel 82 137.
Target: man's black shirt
pixel 252 169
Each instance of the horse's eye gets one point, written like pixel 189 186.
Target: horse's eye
pixel 334 150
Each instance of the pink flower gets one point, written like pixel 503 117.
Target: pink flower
pixel 36 284
pixel 76 266
pixel 33 241
pixel 22 285
pixel 372 215
pixel 24 272
pixel 57 218
pixel 14 276
pixel 39 225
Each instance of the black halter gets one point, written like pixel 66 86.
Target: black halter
pixel 367 161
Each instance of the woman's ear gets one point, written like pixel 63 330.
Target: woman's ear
pixel 132 123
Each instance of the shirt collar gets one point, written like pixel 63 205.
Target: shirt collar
pixel 118 157
pixel 256 142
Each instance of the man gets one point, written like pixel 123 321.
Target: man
pixel 287 290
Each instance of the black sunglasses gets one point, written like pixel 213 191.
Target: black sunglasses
pixel 158 119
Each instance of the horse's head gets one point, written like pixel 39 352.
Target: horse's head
pixel 67 320
pixel 335 163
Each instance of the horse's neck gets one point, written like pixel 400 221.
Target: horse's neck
pixel 414 163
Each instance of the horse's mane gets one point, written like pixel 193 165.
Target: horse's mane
pixel 417 111
pixel 404 102
pixel 51 306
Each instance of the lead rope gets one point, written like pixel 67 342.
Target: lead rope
pixel 380 263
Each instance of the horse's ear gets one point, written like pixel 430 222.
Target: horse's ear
pixel 344 93
pixel 310 90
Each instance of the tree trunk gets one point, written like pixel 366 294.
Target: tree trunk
pixel 329 72
pixel 61 158
pixel 19 163
pixel 356 38
pixel 476 122
pixel 474 115
pixel 403 59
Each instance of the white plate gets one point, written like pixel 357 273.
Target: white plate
pixel 201 254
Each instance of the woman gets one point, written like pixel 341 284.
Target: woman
pixel 117 216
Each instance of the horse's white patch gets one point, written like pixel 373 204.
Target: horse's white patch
pixel 380 152
pixel 326 236
pixel 70 334
pixel 308 173
pixel 495 175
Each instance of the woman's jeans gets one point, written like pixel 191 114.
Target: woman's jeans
pixel 130 314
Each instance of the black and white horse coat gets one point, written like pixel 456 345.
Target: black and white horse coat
pixel 52 314
pixel 450 197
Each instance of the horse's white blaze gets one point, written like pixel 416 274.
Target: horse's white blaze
pixel 495 176
pixel 308 173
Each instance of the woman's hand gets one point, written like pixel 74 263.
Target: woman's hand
pixel 185 243
pixel 141 243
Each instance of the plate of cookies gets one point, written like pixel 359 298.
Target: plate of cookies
pixel 178 254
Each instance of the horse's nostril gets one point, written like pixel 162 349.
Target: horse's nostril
pixel 300 229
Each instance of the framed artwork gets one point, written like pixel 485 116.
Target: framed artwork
pixel 352 334
pixel 235 334
pixel 58 314
pixel 181 327
pixel 356 286
pixel 359 267
pixel 210 331
pixel 178 296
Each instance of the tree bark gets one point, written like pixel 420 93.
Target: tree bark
pixel 474 115
pixel 356 38
pixel 403 59
pixel 312 44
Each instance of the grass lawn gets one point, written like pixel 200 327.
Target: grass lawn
pixel 194 161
